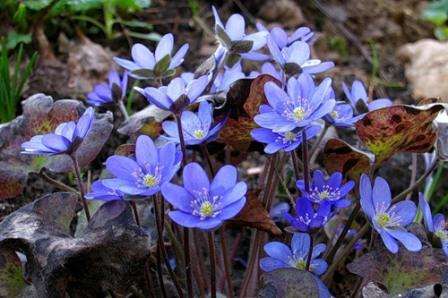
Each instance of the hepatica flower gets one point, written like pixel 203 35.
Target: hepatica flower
pixel 331 190
pixel 357 96
pixel 178 94
pixel 281 38
pixel 65 140
pixel 296 58
pixel 197 127
pixel 436 224
pixel 268 68
pixel 226 78
pixel 286 141
pixel 388 220
pixel 101 192
pixel 233 38
pixel 302 104
pixel 308 215
pixel 145 175
pixel 110 92
pixel 342 116
pixel 204 205
pixel 282 256
pixel 146 64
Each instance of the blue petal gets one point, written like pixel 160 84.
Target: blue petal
pixel 263 135
pixel 235 27
pixel 388 241
pixel 195 179
pixel 84 123
pixel 318 266
pixel 184 219
pixel 209 223
pixel 365 190
pixel 300 244
pixel 234 194
pixel 318 250
pixel 146 152
pixel 232 210
pixel 123 167
pixel 278 250
pixel 178 58
pixel 426 211
pixel 142 56
pixel 177 196
pixel 224 180
pixel 275 95
pixel 410 241
pixel 405 210
pixel 381 196
pixel 164 47
pixel 271 264
pixel 56 142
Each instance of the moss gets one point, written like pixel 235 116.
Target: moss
pixel 397 280
pixel 11 279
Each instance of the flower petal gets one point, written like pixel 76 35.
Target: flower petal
pixel 234 194
pixel 123 167
pixel 177 196
pixel 146 152
pixel 235 27
pixel 271 264
pixel 300 244
pixel 410 241
pixel 278 250
pixel 388 241
pixel 224 180
pixel 195 179
pixel 178 58
pixel 365 190
pixel 142 56
pixel 381 196
pixel 164 47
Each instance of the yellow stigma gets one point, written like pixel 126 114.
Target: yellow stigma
pixel 324 194
pixel 383 219
pixel 198 133
pixel 206 209
pixel 299 113
pixel 442 234
pixel 334 114
pixel 290 136
pixel 149 180
pixel 300 264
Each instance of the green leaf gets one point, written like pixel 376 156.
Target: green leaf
pixel 14 38
pixel 146 36
pixel 36 4
pixel 137 24
pixel 162 66
pixel 441 33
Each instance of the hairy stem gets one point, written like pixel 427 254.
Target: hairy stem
pixel 123 110
pixel 306 162
pixel 185 230
pixel 81 186
pixel 211 247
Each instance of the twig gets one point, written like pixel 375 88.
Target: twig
pixel 211 247
pixel 413 173
pixel 315 149
pixel 81 186
pixel 56 183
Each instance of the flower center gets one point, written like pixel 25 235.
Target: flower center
pixel 383 219
pixel 334 114
pixel 324 195
pixel 150 180
pixel 206 209
pixel 300 264
pixel 198 133
pixel 298 113
pixel 290 136
pixel 204 205
pixel 442 234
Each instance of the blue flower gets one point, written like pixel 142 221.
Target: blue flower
pixel 357 97
pixel 224 79
pixel 179 93
pixel 268 68
pixel 235 42
pixel 103 193
pixel 296 58
pixel 282 256
pixel 299 107
pixel 146 64
pixel 307 216
pixel 342 116
pixel 66 138
pixel 281 38
pixel 151 168
pixel 331 190
pixel 204 205
pixel 436 224
pixel 110 92
pixel 196 128
pixel 389 221
pixel 286 141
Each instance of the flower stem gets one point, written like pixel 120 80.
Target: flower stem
pixel 306 162
pixel 161 247
pixel 123 110
pixel 310 253
pixel 295 164
pixel 186 231
pixel 147 272
pixel 315 148
pixel 81 186
pixel 56 183
pixel 226 262
pixel 211 247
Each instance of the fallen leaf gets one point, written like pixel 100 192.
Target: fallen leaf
pixel 341 157
pixel 12 280
pixel 108 256
pixel 242 104
pixel 291 282
pixel 399 128
pixel 147 121
pixel 402 271
pixel 254 215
